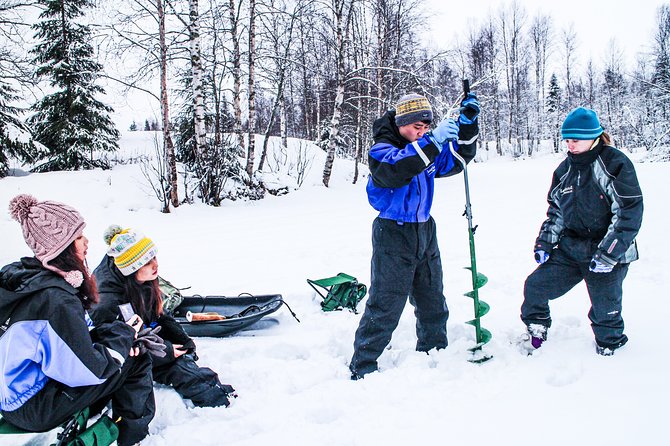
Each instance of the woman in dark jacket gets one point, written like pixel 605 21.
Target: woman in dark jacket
pixel 128 274
pixel 54 360
pixel 595 213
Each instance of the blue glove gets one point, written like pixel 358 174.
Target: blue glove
pixel 597 266
pixel 469 109
pixel 446 130
pixel 541 256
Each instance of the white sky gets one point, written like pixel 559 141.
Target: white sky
pixel 596 22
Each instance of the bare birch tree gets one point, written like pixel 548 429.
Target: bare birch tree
pixel 511 23
pixel 196 80
pixel 128 34
pixel 540 39
pixel 252 91
pixel 236 56
pixel 278 28
pixel 569 46
pixel 342 11
pixel 168 145
pixel 614 94
pixel 492 83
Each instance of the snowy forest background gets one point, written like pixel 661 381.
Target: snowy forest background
pixel 320 71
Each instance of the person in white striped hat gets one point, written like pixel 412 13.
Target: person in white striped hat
pixel 128 274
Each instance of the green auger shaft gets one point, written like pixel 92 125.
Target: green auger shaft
pixel 480 307
pixel 482 335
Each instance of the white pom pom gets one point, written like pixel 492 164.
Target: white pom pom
pixel 74 278
pixel 111 232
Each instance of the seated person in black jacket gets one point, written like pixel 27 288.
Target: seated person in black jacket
pixel 129 274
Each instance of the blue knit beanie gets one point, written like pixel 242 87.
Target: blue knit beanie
pixel 581 123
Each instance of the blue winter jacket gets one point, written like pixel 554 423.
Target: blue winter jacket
pixel 46 334
pixel 402 174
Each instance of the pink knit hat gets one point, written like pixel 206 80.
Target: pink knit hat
pixel 48 227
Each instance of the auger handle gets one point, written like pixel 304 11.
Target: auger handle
pixel 468 207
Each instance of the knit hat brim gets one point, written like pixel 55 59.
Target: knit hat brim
pixel 136 257
pixel 582 133
pixel 74 234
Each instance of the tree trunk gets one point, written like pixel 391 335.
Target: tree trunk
pixel 168 146
pixel 359 139
pixel 237 77
pixel 266 136
pixel 252 90
pixel 196 82
pixel 334 130
pixel 343 12
pixel 283 131
pixel 317 93
pixel 216 96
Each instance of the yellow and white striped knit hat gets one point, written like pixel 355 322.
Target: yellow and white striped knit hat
pixel 131 249
pixel 413 108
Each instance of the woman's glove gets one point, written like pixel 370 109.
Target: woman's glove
pixel 541 256
pixel 597 266
pixel 149 342
pixel 600 263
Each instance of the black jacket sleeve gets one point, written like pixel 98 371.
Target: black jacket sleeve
pixel 622 187
pixel 173 333
pixel 552 228
pixel 84 358
pixel 393 167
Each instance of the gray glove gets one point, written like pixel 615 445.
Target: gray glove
pixel 149 342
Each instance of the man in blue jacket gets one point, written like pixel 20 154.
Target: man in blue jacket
pixel 404 161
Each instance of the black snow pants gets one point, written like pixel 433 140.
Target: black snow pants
pixel 131 392
pixel 201 385
pixel 567 266
pixel 405 262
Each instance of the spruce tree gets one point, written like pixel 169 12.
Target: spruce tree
pixel 661 57
pixel 70 121
pixel 553 102
pixel 15 138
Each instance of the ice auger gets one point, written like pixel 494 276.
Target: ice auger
pixel 478 279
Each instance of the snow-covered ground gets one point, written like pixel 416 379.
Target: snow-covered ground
pixel 292 378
